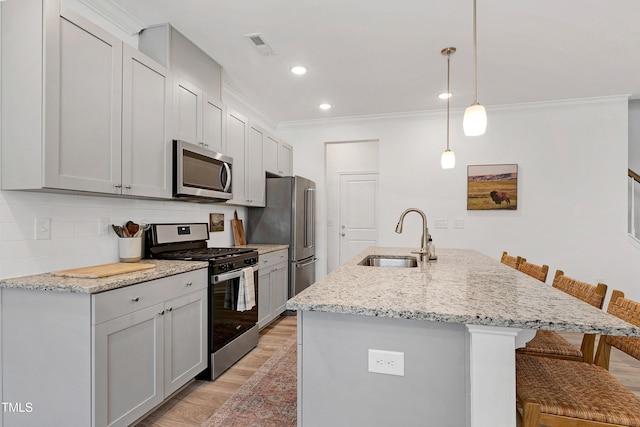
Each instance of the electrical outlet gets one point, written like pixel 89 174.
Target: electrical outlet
pixel 103 226
pixel 441 223
pixel 386 362
pixel 458 223
pixel 43 228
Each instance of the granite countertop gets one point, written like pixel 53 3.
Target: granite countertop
pixel 49 282
pixel 462 286
pixel 264 248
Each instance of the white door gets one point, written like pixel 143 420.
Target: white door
pixel 358 213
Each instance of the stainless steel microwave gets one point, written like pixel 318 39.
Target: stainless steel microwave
pixel 200 174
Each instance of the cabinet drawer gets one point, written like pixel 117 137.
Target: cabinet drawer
pixel 272 258
pixel 111 304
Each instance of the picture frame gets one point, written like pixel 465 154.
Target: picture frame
pixel 216 222
pixel 491 187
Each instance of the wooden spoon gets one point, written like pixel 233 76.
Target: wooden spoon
pixel 132 227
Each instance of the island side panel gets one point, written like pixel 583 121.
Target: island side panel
pixel 333 372
pixel 46 360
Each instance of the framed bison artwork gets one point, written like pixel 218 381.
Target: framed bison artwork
pixel 492 187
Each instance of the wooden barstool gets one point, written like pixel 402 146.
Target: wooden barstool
pixel 550 343
pixel 511 261
pixel 562 393
pixel 536 271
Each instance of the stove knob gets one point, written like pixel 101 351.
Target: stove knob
pixel 224 267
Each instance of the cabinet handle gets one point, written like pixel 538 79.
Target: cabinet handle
pixel 161 313
pixel 170 309
pixel 128 187
pixel 135 299
pixel 189 283
pixel 118 186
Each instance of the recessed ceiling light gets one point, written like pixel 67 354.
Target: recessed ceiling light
pixel 324 106
pixel 445 95
pixel 299 70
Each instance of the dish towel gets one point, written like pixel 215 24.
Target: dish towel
pixel 246 290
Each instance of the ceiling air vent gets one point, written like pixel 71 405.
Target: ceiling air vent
pixel 260 44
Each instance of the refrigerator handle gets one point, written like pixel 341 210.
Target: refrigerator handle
pixel 309 217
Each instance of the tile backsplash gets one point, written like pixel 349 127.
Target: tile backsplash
pixel 75 228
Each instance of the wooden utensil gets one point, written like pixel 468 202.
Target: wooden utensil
pixel 132 228
pixel 238 230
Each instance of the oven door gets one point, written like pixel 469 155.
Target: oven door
pixel 226 322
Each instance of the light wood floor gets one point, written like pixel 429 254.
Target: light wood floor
pixel 198 401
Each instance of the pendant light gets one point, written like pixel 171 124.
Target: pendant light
pixel 448 159
pixel 475 116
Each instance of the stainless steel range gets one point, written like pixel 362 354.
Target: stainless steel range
pixel 233 329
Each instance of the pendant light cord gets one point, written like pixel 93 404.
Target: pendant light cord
pixel 475 57
pixel 448 91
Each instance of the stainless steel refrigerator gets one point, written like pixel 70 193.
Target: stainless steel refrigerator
pixel 289 218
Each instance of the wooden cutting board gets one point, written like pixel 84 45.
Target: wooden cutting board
pixel 238 230
pixel 103 270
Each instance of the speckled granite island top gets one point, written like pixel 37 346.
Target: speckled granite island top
pixel 49 282
pixel 462 286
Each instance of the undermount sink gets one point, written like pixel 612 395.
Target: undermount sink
pixel 389 261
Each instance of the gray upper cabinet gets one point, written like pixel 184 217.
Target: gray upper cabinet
pixel 172 49
pixel 277 156
pixel 146 118
pixel 285 159
pixel 198 117
pixel 87 128
pixel 254 170
pixel 237 131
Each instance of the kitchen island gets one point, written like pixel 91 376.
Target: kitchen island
pixel 456 323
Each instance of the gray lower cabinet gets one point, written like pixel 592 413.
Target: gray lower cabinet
pixel 101 359
pixel 272 286
pixel 144 356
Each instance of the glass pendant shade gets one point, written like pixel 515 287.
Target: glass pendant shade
pixel 475 120
pixel 448 159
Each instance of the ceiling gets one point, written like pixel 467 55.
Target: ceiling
pixel 373 57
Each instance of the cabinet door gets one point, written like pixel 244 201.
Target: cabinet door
pixel 187 105
pixel 254 170
pixel 236 141
pixel 185 339
pixel 129 366
pixel 271 146
pixel 213 124
pixel 83 106
pixel 285 159
pixel 279 289
pixel 264 298
pixel 146 145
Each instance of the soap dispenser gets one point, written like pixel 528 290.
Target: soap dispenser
pixel 431 249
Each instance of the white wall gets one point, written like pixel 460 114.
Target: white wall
pixel 572 200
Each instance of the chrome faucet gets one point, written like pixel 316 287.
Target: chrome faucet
pixel 425 233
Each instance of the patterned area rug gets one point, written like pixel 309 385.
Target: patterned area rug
pixel 267 398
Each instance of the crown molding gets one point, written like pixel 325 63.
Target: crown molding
pixel 231 96
pixel 116 15
pixel 433 114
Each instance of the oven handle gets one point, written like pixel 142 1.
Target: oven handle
pixel 233 275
